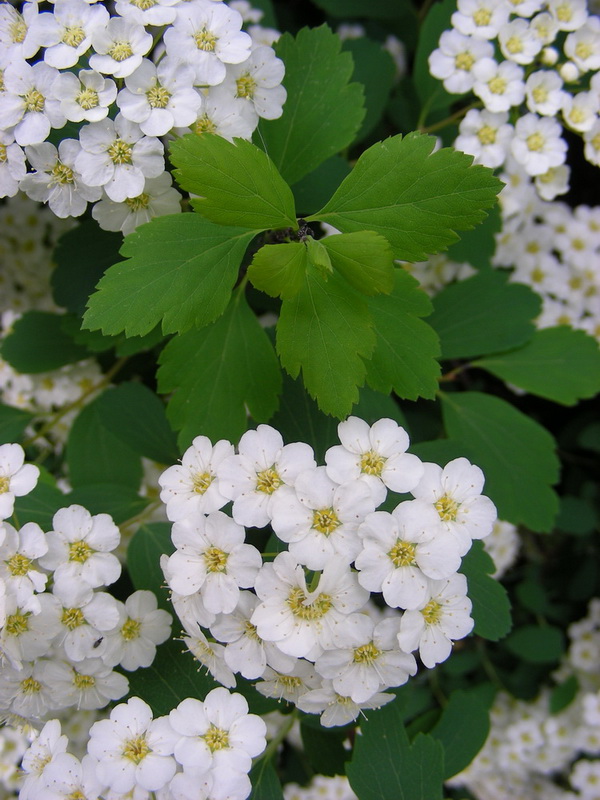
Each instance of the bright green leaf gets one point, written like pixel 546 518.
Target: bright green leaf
pixel 560 364
pixel 237 183
pixel 385 765
pixel 325 331
pixel 13 422
pixel 364 259
pixel 415 198
pixel 491 606
pixel 405 354
pixel 214 373
pixel 462 729
pixel 121 502
pixel 537 644
pixel 318 256
pixel 38 343
pixel 278 269
pixel 516 454
pixel 148 544
pixel 374 68
pixel 265 783
pixel 484 314
pixel 96 455
pixel 40 505
pixel 323 111
pixel 137 416
pixel 180 270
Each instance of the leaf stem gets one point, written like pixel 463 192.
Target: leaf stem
pixel 443 123
pixel 286 727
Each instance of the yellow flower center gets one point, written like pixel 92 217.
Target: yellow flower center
pixel 120 50
pixel 315 610
pixel 144 5
pixel 18 30
pixel 537 275
pixel 246 86
pixel 595 142
pixel 73 35
pixel 205 40
pixel 577 115
pixel 325 520
pixel 84 681
pixel 464 61
pixel 120 152
pixel 131 629
pixel 30 686
pixel 402 554
pixel 18 565
pixel 447 508
pixel 583 50
pixel 250 630
pixel 79 551
pixel 62 174
pixel 482 17
pixel 34 101
pixel 535 142
pixel 215 560
pixel 432 612
pixel 158 97
pixel 514 45
pixel 366 654
pixel 201 482
pixel 137 204
pixel 372 463
pixel 268 480
pixel 16 624
pixel 136 749
pixel 564 12
pixel 204 125
pixel 4 484
pixel 3 159
pixel 497 85
pixel 72 618
pixel 88 98
pixel 487 134
pixel 289 681
pixel 216 739
pixel 540 94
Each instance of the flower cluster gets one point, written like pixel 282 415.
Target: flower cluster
pixel 531 752
pixel 527 62
pixel 126 81
pixel 305 624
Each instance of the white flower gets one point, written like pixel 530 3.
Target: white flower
pixel 455 493
pixel 158 198
pixel 320 519
pixel 518 42
pixel 581 112
pixel 18 554
pixel 156 12
pixel 211 558
pixel 583 45
pixel 374 454
pixel 29 628
pixel 140 627
pixel 87 684
pixel 28 104
pixel 569 14
pixel 439 622
pixel 225 114
pixel 402 550
pixel 46 746
pixel 592 144
pixel 553 182
pixel 254 478
pixel 486 136
pixel 16 478
pixel 16 40
pixel 160 97
pixel 66 778
pixel 289 686
pixel 80 548
pixel 66 32
pixel 116 155
pixel 480 18
pixel 12 164
pixel 85 96
pixel 209 654
pixel 208 35
pixel 544 27
pixel 258 81
pixel 371 663
pixel 500 86
pixel 132 749
pixel 455 58
pixel 56 180
pixel 538 144
pixel 25 692
pixel 119 46
pixel 83 624
pixel 304 622
pixel 338 709
pixel 544 93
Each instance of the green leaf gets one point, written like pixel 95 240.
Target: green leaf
pixel 375 9
pixel 278 269
pixel 430 90
pixel 560 364
pixel 563 695
pixel 477 247
pixel 237 182
pixel 516 454
pixel 324 747
pixel 462 729
pixel 373 405
pixel 491 606
pixel 216 372
pixel 180 271
pixel 138 418
pixel 13 422
pixel 38 343
pixel 386 765
pixel 364 259
pixel 121 502
pixel 95 455
pixel 315 189
pixel 147 545
pixel 537 644
pixel 576 516
pixel 325 331
pixel 374 68
pixel 82 256
pixel 405 355
pixel 323 111
pixel 484 314
pixel 40 505
pixel 265 783
pixel 415 198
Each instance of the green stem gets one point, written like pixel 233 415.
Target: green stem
pixel 443 123
pixel 271 748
